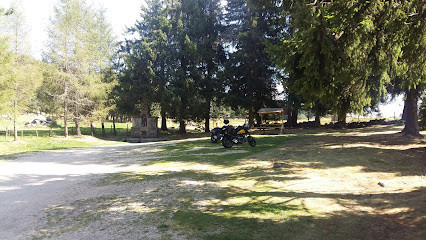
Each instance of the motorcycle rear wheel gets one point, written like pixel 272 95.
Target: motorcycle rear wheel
pixel 251 141
pixel 213 138
pixel 227 142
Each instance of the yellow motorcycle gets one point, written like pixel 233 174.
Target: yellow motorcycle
pixel 237 135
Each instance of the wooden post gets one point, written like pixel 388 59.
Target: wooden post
pixel 36 131
pixel 6 133
pixel 22 134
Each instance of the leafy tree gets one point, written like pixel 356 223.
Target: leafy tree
pixel 408 35
pixel 26 78
pixel 80 45
pixel 144 61
pixel 206 30
pixel 25 75
pixel 330 45
pixel 249 69
pixel 17 30
pixel 173 60
pixel 5 62
pixel 183 72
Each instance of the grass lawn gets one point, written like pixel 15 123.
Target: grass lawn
pixel 307 184
pixel 31 139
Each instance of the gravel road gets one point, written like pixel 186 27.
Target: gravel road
pixel 35 182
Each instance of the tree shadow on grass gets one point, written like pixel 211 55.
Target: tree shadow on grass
pixel 379 152
pixel 201 205
pixel 165 205
pixel 234 221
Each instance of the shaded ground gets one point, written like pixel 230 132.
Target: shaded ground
pixel 303 185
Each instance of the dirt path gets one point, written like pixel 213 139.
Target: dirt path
pixel 35 182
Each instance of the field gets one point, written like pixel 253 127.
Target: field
pixel 39 138
pixel 31 139
pixel 307 184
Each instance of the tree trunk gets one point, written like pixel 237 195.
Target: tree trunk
pixel 15 130
pixel 65 119
pixel 182 127
pixel 92 130
pixel 103 129
pixel 163 120
pixel 207 118
pixel 404 112
pixel 411 117
pixel 341 119
pixel 341 113
pixel 317 121
pixel 294 116
pixel 113 125
pixel 293 110
pixel 258 119
pixel 251 117
pixel 77 128
pixel 207 124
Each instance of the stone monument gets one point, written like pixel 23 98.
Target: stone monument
pixel 144 126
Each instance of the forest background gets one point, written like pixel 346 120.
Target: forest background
pixel 192 60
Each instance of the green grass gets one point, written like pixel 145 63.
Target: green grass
pixel 311 184
pixel 33 144
pixel 32 139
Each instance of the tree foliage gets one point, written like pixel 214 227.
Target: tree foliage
pixel 80 46
pixel 24 74
pixel 249 72
pixel 173 59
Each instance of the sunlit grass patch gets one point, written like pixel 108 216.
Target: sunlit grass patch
pixel 135 177
pixel 287 187
pixel 34 144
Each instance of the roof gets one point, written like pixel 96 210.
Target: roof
pixel 271 111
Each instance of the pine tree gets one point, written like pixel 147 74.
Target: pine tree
pixel 249 69
pixel 146 58
pixel 25 74
pixel 330 44
pixel 409 32
pixel 80 44
pixel 5 62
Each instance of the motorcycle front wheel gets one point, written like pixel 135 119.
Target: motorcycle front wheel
pixel 227 142
pixel 251 141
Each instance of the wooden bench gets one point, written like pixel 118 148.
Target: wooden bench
pixel 264 127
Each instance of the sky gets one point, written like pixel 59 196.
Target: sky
pixel 120 14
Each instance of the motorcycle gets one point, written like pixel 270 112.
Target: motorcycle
pixel 237 135
pixel 216 135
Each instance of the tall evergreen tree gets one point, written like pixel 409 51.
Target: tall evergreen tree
pixel 183 72
pixel 249 69
pixel 331 43
pixel 145 60
pixel 173 59
pixel 408 30
pixel 206 30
